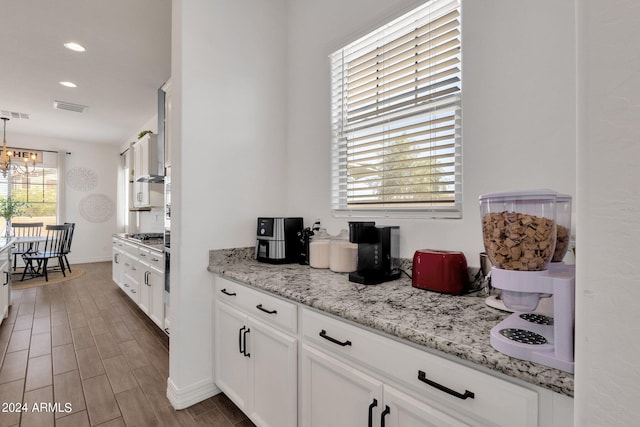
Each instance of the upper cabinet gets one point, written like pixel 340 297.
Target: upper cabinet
pixel 146 172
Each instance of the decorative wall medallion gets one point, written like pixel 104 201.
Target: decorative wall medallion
pixel 82 179
pixel 96 208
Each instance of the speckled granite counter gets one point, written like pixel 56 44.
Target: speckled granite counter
pixel 153 245
pixel 456 325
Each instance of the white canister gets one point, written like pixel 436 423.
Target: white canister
pixel 343 257
pixel 319 250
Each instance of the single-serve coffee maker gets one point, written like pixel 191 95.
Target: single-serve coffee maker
pixel 523 232
pixel 378 252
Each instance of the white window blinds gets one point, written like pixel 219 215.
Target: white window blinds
pixel 396 116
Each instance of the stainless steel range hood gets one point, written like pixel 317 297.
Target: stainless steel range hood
pixel 153 179
pixel 156 150
pixel 155 159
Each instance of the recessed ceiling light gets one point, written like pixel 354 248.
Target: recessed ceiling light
pixel 74 46
pixel 68 84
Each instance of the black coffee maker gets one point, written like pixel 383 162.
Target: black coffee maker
pixel 378 252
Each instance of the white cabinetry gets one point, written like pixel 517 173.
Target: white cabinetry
pixel 413 381
pixel 361 400
pixel 5 282
pixel 145 194
pixel 255 354
pixel 139 272
pixel 353 376
pixel 143 152
pixel 131 279
pixel 117 261
pixel 152 285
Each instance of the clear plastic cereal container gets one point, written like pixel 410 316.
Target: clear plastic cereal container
pixel 519 229
pixel 563 227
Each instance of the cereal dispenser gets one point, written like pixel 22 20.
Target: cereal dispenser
pixel 520 234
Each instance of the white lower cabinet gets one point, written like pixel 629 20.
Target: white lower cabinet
pixel 336 394
pixel 400 409
pixel 139 272
pixel 151 285
pixel 5 282
pixel 255 362
pixel 117 261
pixel 232 365
pixel 351 376
pixel 131 282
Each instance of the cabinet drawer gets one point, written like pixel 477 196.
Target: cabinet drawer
pixel 118 243
pixel 131 249
pixel 156 259
pixel 430 377
pixel 142 254
pixel 270 309
pixel 150 257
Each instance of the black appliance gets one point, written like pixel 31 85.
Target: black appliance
pixel 378 253
pixel 277 240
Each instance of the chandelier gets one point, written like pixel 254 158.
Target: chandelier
pixel 5 157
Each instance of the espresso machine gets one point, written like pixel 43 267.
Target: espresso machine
pixel 520 233
pixel 378 252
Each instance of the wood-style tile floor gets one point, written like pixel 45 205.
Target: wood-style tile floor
pixel 83 348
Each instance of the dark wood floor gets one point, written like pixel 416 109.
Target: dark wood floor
pixel 83 346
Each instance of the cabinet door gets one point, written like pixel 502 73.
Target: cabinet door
pixel 141 196
pixel 141 157
pixel 116 266
pixel 231 358
pixel 155 286
pixel 402 410
pixel 335 394
pixel 131 281
pixel 117 262
pixel 144 300
pixel 5 283
pixel 273 376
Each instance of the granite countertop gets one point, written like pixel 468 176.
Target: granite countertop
pixel 153 244
pixel 456 325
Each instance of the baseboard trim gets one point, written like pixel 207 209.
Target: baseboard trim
pixel 185 397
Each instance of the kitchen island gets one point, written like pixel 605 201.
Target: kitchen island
pixel 456 327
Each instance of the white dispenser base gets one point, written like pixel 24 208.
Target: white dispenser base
pixel 533 336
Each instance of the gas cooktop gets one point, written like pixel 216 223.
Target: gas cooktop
pixel 147 236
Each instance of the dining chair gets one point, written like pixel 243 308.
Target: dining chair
pixel 67 243
pixel 53 248
pixel 25 230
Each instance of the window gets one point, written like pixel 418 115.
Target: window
pixel 37 186
pixel 396 117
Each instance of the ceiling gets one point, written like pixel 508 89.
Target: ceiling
pixel 127 58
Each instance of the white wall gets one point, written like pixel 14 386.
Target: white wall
pixel 91 240
pixel 251 131
pixel 228 159
pixel 519 132
pixel 608 215
pixel 518 107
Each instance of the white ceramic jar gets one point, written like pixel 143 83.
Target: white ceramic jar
pixel 319 247
pixel 343 257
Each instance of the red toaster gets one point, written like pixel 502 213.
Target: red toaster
pixel 440 271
